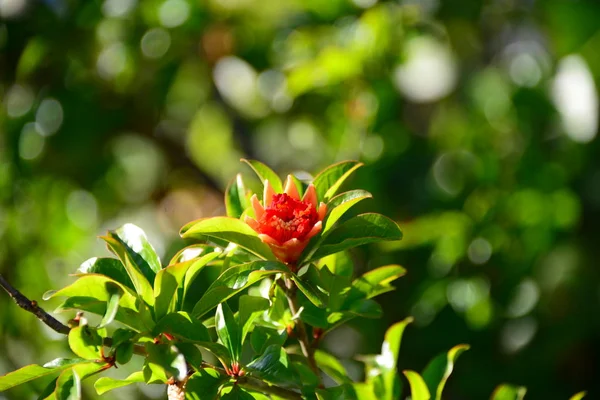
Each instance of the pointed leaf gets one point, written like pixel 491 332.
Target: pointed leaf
pixel 110 267
pixel 265 173
pixel 182 326
pixel 418 388
pixel 85 342
pixel 204 385
pixel 105 384
pixel 235 198
pixel 509 392
pixel 328 181
pixel 112 305
pixel 338 211
pixel 345 392
pixel 163 362
pixel 234 280
pixel 195 270
pixel 374 282
pixel 229 229
pixel 191 252
pixel 228 330
pixel 386 362
pixel 251 307
pixel 235 393
pixel 262 337
pixel 134 239
pixel 68 386
pixel 310 290
pixel 339 264
pixel 31 372
pixel 439 369
pixel 359 230
pixel 274 367
pixel 332 367
pixel 578 396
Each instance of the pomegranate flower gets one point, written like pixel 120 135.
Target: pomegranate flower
pixel 285 222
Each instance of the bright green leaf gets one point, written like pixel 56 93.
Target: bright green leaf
pixel 509 392
pixel 359 230
pixel 110 267
pixel 262 337
pixel 339 264
pixel 345 392
pixel 338 212
pixel 182 326
pixel 204 385
pixel 418 388
pixel 85 342
pixel 163 362
pixel 235 393
pixel 265 173
pixel 332 367
pixel 235 197
pixel 193 272
pixel 274 367
pixel 251 307
pixel 68 386
pixel 229 229
pixel 233 281
pixel 31 372
pixel 228 330
pixel 106 384
pixel 439 369
pixel 112 305
pixel 578 396
pixel 374 282
pixel 328 181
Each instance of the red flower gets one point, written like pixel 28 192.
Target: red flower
pixel 286 223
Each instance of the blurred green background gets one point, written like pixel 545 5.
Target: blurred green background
pixel 477 122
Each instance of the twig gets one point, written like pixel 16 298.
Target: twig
pixel 32 307
pixel 290 291
pixel 257 385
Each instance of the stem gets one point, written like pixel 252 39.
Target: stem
pixel 32 307
pixel 290 291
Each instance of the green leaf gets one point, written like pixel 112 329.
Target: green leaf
pixel 578 396
pixel 374 282
pixel 139 248
pixel 308 288
pixel 228 330
pixel 332 367
pixel 251 307
pixel 262 337
pixel 328 181
pixel 123 353
pixel 193 355
pixel 92 292
pixel 234 280
pixel 338 211
pixel 366 308
pixel 359 230
pixel 204 385
pixel 218 350
pixel 31 372
pixel 163 362
pixel 105 384
pixel 85 342
pixel 235 393
pixel 68 386
pixel 130 259
pixel 509 392
pixel 229 229
pixel 193 272
pixel 439 369
pixel 182 326
pixel 387 361
pixel 274 367
pixel 110 267
pixel 48 392
pixel 339 264
pixel 265 173
pixel 418 388
pixel 192 251
pixel 345 392
pixel 112 305
pixel 235 198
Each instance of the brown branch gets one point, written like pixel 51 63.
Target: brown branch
pixel 32 307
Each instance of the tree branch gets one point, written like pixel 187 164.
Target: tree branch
pixel 32 307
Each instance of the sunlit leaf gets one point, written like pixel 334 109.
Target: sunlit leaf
pixel 439 369
pixel 182 326
pixel 105 384
pixel 251 307
pixel 509 392
pixel 332 367
pixel 273 366
pixel 163 362
pixel 265 173
pixel 234 280
pixel 418 388
pixel 110 267
pixel 112 305
pixel 262 337
pixel 68 386
pixel 578 396
pixel 328 181
pixel 337 212
pixel 136 243
pixel 31 372
pixel 85 342
pixel 345 392
pixel 229 229
pixel 235 197
pixel 204 384
pixel 228 330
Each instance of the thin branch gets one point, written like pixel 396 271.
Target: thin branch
pixel 257 385
pixel 32 307
pixel 290 291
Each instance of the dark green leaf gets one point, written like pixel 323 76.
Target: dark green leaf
pixel 163 362
pixel 374 283
pixel 328 181
pixel 218 350
pixel 418 388
pixel 274 367
pixel 265 173
pixel 234 280
pixel 228 330
pixel 339 264
pixel 235 197
pixel 68 386
pixel 106 384
pixel 204 385
pixel 366 308
pixel 345 392
pixel 31 372
pixel 251 307
pixel 228 229
pixel 439 369
pixel 195 270
pixel 308 281
pixel 124 352
pixel 110 267
pixel 262 337
pixel 359 230
pixel 182 326
pixel 235 393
